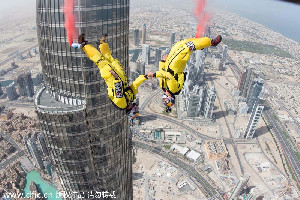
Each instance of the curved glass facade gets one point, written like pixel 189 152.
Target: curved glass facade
pixel 86 134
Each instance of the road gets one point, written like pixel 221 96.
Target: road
pixel 207 188
pixel 229 131
pixel 285 145
pixel 12 159
pixel 282 106
pixel 147 115
pixel 10 140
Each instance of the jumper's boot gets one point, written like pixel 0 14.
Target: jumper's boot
pixel 81 42
pixel 216 41
pixel 102 40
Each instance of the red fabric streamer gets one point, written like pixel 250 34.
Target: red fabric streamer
pixel 68 9
pixel 202 17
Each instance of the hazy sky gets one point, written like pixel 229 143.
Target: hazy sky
pixel 14 9
pixel 277 15
pixel 280 16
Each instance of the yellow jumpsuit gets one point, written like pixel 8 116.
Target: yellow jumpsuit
pixel 170 73
pixel 118 90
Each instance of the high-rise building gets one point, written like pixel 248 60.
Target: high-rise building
pixel 39 78
pixel 254 92
pixel 25 85
pixel 181 37
pixel 34 51
pixel 43 145
pixel 224 52
pixel 172 39
pixel 146 54
pixel 252 194
pixel 86 135
pixel 11 92
pixel 242 78
pixel 193 90
pixel 29 84
pixel 245 81
pixel 136 40
pixel 157 56
pixel 239 187
pixel 27 146
pixel 144 34
pixel 28 55
pixel 254 118
pixel 21 85
pixel 1 91
pixel 194 102
pixel 35 153
pixel 208 102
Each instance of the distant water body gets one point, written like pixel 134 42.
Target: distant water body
pixel 280 16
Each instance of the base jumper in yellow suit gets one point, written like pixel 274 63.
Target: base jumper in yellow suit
pixel 119 92
pixel 170 74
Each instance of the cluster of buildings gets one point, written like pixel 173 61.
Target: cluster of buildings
pixel 143 54
pixel 197 98
pixel 22 86
pixel 215 149
pixel 250 90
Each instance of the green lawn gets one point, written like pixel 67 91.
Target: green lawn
pixel 256 48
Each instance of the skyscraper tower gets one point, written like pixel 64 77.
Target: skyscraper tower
pixel 43 144
pixel 157 56
pixel 224 52
pixel 254 118
pixel 39 78
pixel 172 39
pixel 25 85
pixel 86 135
pixel 136 40
pixel 11 92
pixel 21 85
pixel 209 101
pixel 239 187
pixel 35 153
pixel 245 82
pixel 254 93
pixel 144 34
pixel 252 194
pixel 146 54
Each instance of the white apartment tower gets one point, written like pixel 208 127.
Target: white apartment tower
pixel 254 118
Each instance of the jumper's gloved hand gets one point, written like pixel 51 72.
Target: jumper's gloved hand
pixel 165 57
pixel 150 75
pixel 76 45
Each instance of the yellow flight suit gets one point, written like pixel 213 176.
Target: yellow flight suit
pixel 170 73
pixel 118 90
